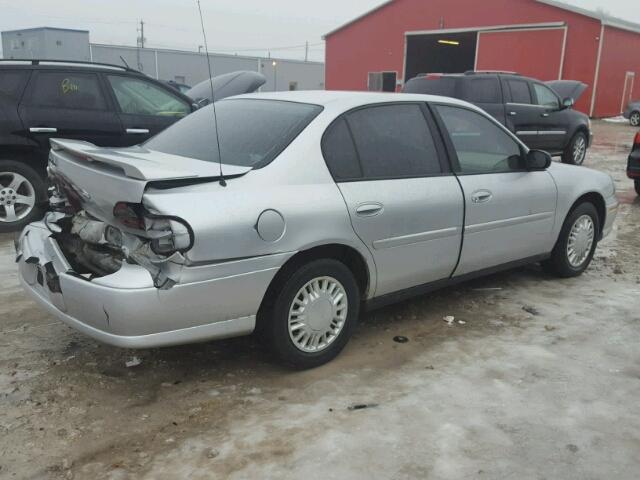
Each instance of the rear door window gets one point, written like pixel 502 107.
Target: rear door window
pixel 520 92
pixel 483 90
pixel 394 141
pixel 340 152
pixel 70 90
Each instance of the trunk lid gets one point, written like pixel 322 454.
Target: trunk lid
pixel 94 179
pixel 568 88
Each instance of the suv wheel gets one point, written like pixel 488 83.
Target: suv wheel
pixel 21 195
pixel 577 244
pixel 576 152
pixel 634 119
pixel 313 314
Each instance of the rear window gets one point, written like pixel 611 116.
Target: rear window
pixel 12 83
pixel 432 85
pixel 71 90
pixel 252 132
pixel 520 92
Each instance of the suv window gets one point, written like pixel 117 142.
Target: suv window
pixel 139 97
pixel 340 152
pixel 432 85
pixel 483 90
pixel 545 96
pixel 12 83
pixel 78 91
pixel 252 132
pixel 520 92
pixel 394 141
pixel 481 145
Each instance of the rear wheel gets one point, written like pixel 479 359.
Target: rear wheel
pixel 634 119
pixel 22 193
pixel 576 151
pixel 313 314
pixel 577 244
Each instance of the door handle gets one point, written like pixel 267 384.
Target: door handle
pixel 138 131
pixel 43 130
pixel 513 114
pixel 545 115
pixel 481 197
pixel 369 209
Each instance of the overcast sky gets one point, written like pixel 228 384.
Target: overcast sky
pixel 249 27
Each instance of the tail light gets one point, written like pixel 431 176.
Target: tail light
pixel 168 234
pixel 636 141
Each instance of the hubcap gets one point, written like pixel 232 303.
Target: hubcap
pixel 17 197
pixel 318 314
pixel 635 119
pixel 579 150
pixel 580 241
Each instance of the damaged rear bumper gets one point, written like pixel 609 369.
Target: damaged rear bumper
pixel 125 309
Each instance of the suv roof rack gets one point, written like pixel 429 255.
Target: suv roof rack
pixel 73 63
pixel 490 72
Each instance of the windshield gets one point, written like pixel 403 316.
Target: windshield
pixel 252 132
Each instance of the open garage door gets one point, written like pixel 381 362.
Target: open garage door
pixel 537 53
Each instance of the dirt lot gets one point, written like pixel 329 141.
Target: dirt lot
pixel 541 382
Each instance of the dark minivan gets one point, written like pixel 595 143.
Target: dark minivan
pixel 540 114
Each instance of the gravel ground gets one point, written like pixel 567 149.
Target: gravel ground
pixel 541 382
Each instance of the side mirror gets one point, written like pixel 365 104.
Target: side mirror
pixel 537 160
pixel 568 102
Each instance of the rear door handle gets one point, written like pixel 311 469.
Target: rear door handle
pixel 369 209
pixel 481 197
pixel 513 114
pixel 43 130
pixel 138 131
pixel 545 115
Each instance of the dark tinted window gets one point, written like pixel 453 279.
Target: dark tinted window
pixel 394 141
pixel 432 85
pixel 12 82
pixel 252 132
pixel 545 96
pixel 340 152
pixel 79 91
pixel 483 90
pixel 481 145
pixel 139 97
pixel 520 92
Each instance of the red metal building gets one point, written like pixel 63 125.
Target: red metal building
pixel 545 39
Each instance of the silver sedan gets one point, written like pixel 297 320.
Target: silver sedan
pixel 312 206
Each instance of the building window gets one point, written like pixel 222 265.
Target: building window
pixel 293 86
pixel 382 81
pixel 59 43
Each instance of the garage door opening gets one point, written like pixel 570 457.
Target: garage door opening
pixel 440 53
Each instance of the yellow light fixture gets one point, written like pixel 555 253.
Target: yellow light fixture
pixel 449 42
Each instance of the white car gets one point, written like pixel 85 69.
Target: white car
pixel 316 203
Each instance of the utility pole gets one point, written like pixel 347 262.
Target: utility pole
pixel 140 44
pixel 306 51
pixel 142 39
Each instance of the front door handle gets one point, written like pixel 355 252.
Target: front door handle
pixel 43 130
pixel 481 197
pixel 138 131
pixel 369 209
pixel 545 115
pixel 513 114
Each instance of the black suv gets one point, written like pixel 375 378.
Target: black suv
pixel 531 109
pixel 106 105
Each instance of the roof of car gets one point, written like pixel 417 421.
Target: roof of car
pixel 327 98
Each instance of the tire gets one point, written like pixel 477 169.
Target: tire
pixel 561 264
pixel 637 185
pixel 634 119
pixel 576 151
pixel 286 307
pixel 16 209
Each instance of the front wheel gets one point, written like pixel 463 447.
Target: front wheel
pixel 576 151
pixel 634 119
pixel 313 314
pixel 577 244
